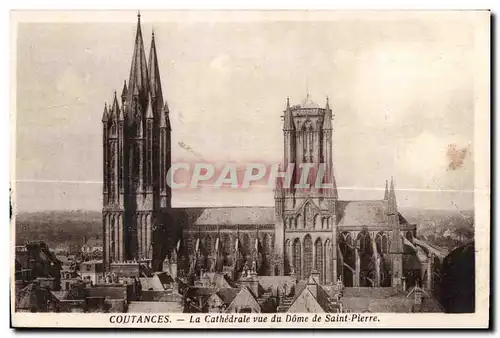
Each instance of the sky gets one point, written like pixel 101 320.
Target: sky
pixel 401 88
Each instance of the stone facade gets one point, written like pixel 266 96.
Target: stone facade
pixel 309 228
pixel 136 143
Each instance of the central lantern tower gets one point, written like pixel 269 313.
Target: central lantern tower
pixel 305 209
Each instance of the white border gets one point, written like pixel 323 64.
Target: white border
pixel 225 4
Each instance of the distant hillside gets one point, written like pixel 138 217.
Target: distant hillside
pixel 444 228
pixel 437 221
pixel 71 227
pixel 58 227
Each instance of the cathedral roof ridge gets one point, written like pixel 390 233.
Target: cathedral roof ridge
pixel 228 207
pixel 363 201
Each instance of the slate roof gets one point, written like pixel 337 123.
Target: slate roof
pixel 321 297
pixel 325 302
pixel 226 215
pixel 299 288
pixel 350 213
pixel 364 213
pixel 227 295
pixel 194 292
pixel 360 213
pixel 156 282
pixel 164 278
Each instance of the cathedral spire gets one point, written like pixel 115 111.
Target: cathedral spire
pixel 386 193
pixel 327 122
pixel 124 91
pixel 154 72
pixel 138 70
pixel 135 90
pixel 393 207
pixel 113 113
pixel 279 191
pixel 105 114
pixel 288 123
pixel 116 105
pixel 164 118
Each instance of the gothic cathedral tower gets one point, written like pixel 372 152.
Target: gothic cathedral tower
pixel 136 160
pixel 305 205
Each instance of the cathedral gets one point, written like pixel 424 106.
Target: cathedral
pixel 309 230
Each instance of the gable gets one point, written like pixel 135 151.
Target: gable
pixel 306 303
pixel 244 299
pixel 308 208
pixel 227 295
pixel 214 301
pixel 308 215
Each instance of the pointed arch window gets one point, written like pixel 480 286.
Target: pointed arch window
pixel 328 261
pixel 163 170
pixel 150 152
pixel 318 262
pixel 308 256
pixel 364 242
pixel 382 242
pixel 307 142
pixel 113 170
pixel 246 244
pixel 310 142
pixel 210 245
pixel 297 253
pixel 135 162
pixel 265 244
pixel 226 244
pixel 113 243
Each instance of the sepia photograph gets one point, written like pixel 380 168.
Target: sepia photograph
pixel 273 169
